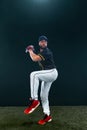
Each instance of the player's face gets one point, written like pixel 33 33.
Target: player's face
pixel 43 43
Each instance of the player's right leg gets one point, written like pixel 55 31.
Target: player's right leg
pixel 34 84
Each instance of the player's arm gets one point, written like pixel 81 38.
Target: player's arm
pixel 34 56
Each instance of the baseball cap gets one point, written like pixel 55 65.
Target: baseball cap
pixel 42 38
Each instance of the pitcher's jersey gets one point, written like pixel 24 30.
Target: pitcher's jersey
pixel 47 61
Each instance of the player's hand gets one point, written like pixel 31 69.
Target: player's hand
pixel 30 47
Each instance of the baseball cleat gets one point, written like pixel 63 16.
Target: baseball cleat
pixel 34 104
pixel 45 120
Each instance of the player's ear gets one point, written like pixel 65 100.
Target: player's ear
pixel 46 43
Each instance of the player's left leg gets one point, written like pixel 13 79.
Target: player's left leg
pixel 45 88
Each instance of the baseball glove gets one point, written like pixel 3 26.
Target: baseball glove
pixel 30 47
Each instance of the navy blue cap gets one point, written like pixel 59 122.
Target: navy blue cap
pixel 42 38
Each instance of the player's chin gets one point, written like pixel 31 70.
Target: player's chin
pixel 42 46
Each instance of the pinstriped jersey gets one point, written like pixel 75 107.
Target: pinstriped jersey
pixel 47 61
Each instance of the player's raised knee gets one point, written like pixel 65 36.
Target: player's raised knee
pixel 31 74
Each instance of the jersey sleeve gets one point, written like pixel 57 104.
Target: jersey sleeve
pixel 42 55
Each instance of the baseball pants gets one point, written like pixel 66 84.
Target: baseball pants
pixel 47 77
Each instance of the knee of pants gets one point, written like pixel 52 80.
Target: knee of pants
pixel 33 74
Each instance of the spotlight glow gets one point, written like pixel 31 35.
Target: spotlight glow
pixel 41 1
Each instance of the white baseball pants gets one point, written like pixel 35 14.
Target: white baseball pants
pixel 47 77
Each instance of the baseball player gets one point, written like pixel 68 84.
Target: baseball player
pixel 47 75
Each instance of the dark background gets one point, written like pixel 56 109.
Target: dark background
pixel 64 22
